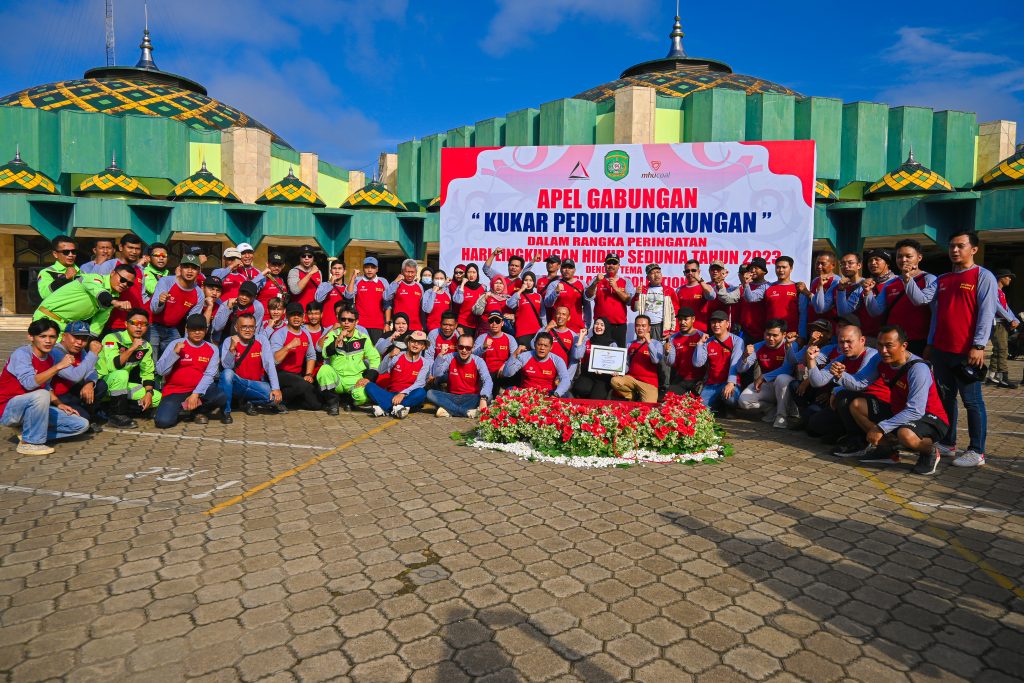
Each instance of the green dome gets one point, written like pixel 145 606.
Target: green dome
pixel 17 176
pixel 910 178
pixel 113 181
pixel 374 195
pixel 290 191
pixel 203 185
pixel 1009 171
pixel 823 193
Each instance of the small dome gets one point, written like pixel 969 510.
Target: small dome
pixel 17 176
pixel 374 195
pixel 910 178
pixel 113 181
pixel 823 193
pixel 203 185
pixel 1009 171
pixel 435 204
pixel 290 191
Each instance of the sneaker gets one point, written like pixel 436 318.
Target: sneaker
pixel 225 418
pixel 879 456
pixel 333 410
pixel 946 451
pixel 927 464
pixel 970 458
pixel 781 422
pixel 201 419
pixel 34 449
pixel 95 428
pixel 378 411
pixel 251 410
pixel 767 418
pixel 278 408
pixel 400 412
pixel 472 414
pixel 850 450
pixel 441 412
pixel 122 422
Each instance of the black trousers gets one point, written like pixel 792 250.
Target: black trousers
pixel 297 391
pixel 589 385
pixel 618 333
pixel 684 386
pixel 374 334
pixel 86 410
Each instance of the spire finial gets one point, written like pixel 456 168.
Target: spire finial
pixel 676 50
pixel 17 154
pixel 910 157
pixel 146 58
pixel 113 160
pixel 291 172
pixel 203 167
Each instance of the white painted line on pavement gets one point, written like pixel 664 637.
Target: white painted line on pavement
pixel 241 442
pixel 72 494
pixel 974 508
pixel 964 429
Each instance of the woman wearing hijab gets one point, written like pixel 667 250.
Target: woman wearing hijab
pixel 469 292
pixel 399 331
pixel 494 301
pixel 589 384
pixel 528 306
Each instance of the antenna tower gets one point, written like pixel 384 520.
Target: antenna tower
pixel 110 32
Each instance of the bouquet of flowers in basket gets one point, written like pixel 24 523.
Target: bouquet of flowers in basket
pixel 679 429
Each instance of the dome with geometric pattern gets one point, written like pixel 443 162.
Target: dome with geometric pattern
pixel 374 195
pixel 1009 171
pixel 678 75
pixel 113 182
pixel 823 193
pixel 203 185
pixel 435 204
pixel 17 176
pixel 910 178
pixel 290 191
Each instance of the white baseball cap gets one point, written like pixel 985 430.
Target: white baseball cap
pixel 231 252
pixel 244 247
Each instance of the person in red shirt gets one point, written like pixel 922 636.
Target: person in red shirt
pixel 131 255
pixel 468 293
pixel 552 264
pixel 437 300
pixel 568 291
pixel 642 359
pixel 272 285
pixel 782 300
pixel 516 266
pixel 249 372
pixel 685 377
pixel 822 292
pixel 610 295
pixel 78 386
pixel 368 291
pixel 401 381
pixel 189 367
pixel 329 293
pixel 243 271
pixel 443 339
pixel 539 369
pixel 562 336
pixel 494 301
pixel 405 295
pixel 173 300
pixel 752 313
pixel 695 294
pixel 495 347
pixel 295 357
pixel 527 304
pixel 469 382
pixel 275 319
pixel 458 275
pixel 304 278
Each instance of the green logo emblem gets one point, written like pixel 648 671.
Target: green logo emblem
pixel 616 164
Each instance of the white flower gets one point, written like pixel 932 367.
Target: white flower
pixel 525 451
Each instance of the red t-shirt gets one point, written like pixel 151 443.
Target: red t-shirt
pixel 10 387
pixel 370 302
pixel 685 345
pixel 408 299
pixel 177 306
pixel 250 367
pixel 692 296
pixel 464 378
pixel 295 360
pixel 958 300
pixel 641 367
pixel 783 302
pixel 336 294
pixel 188 371
pixel 571 297
pixel 274 287
pixel 607 304
pixel 540 375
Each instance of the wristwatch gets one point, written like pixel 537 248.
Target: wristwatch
pixel 978 347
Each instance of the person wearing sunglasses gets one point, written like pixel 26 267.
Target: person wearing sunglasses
pixel 126 371
pixel 90 298
pixel 63 269
pixel 349 358
pixel 130 255
pixel 469 382
pixel 304 278
pixel 693 294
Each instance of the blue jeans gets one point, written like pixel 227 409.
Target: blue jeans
pixel 160 338
pixel 383 397
pixel 949 385
pixel 257 393
pixel 170 407
pixel 40 422
pixel 456 404
pixel 711 394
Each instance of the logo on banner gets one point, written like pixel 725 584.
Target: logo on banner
pixel 616 164
pixel 655 165
pixel 579 172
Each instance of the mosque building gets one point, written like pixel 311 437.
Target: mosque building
pixel 135 148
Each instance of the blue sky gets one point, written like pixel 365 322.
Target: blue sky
pixel 351 78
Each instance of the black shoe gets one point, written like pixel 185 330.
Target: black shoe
pixel 122 422
pixel 332 410
pixel 879 456
pixel 225 418
pixel 927 464
pixel 201 419
pixel 250 410
pixel 1003 380
pixel 848 448
pixel 346 407
pixel 277 408
pixel 95 428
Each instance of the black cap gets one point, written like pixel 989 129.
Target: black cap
pixel 553 258
pixel 612 257
pixel 718 315
pixel 306 249
pixel 248 287
pixel 195 322
pixel 686 312
pixel 276 258
pixel 213 281
pixel 294 308
pixel 568 263
pixel 820 324
pixel 495 316
pixel 1004 272
pixel 759 262
pixel 883 254
pixel 652 266
pixel 848 319
pixel 195 250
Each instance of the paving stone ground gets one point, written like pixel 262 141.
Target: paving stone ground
pixel 405 557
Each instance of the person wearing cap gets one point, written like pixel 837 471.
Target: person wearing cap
pixel 350 362
pixel 495 346
pixel 610 296
pixel 696 294
pixel 527 306
pixel 63 270
pixel 808 399
pixel 517 265
pixel 329 293
pixel 210 304
pixel 272 285
pixel 727 298
pixel 875 292
pixel 304 278
pixel 189 367
pixel 470 386
pixel 295 357
pixel 401 380
pixel 773 357
pixel 643 358
pixel 90 297
pixel 243 271
pixel 249 373
pixel 657 302
pixel 130 254
pixel 568 291
pixel 721 352
pixel 963 304
pixel 367 291
pixel 173 298
pixel 680 348
pixel 1005 322
pixel 126 369
pixel 76 385
pixel 231 260
pixel 553 265
pixel 405 295
pixel 25 397
pixel 443 339
pixel 223 324
pixel 821 295
pixel 156 267
pixel 437 300
pixel 539 368
pixel 197 251
pixel 752 314
pixel 102 251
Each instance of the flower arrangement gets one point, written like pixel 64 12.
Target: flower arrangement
pixel 535 426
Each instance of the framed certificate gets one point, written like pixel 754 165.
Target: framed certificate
pixel 607 360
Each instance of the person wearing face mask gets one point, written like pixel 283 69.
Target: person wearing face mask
pixel 426 278
pixel 469 382
pixel 469 292
pixel 527 305
pixel 350 362
pixel 436 301
pixel 592 385
pixel 329 293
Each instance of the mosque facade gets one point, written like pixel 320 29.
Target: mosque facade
pixel 143 150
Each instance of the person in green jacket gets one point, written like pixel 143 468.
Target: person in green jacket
pixel 348 355
pixel 63 270
pixel 127 368
pixel 156 266
pixel 90 297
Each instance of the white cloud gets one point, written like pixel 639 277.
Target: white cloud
pixel 518 20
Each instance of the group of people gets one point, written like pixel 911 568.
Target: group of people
pixel 870 362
